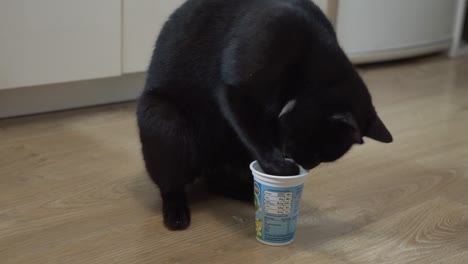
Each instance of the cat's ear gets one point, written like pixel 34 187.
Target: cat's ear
pixel 379 132
pixel 348 119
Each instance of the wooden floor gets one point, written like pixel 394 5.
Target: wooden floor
pixel 73 188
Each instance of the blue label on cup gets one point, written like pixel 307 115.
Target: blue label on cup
pixel 277 209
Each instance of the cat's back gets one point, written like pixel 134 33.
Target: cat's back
pixel 191 41
pixel 190 46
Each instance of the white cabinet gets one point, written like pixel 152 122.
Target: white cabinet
pixel 52 41
pixel 143 20
pixel 55 41
pixel 374 30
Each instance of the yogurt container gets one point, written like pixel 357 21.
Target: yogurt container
pixel 277 203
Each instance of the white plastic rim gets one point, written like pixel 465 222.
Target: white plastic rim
pixel 278 181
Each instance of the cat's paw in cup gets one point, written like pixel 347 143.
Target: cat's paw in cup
pixel 282 167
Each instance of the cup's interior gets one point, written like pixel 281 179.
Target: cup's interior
pixel 256 167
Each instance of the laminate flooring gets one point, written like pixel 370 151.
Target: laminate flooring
pixel 73 188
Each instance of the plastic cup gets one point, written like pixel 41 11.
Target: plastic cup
pixel 277 203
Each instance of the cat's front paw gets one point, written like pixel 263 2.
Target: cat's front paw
pixel 177 217
pixel 280 167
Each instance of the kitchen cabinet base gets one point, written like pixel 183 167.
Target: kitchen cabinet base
pixel 47 98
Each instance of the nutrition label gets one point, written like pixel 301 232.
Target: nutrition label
pixel 276 212
pixel 277 203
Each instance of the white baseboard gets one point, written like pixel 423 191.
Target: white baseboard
pixel 400 53
pixel 47 98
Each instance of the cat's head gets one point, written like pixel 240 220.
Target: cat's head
pixel 317 130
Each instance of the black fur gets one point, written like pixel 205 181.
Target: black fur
pixel 220 76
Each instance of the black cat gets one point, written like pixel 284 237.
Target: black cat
pixel 235 81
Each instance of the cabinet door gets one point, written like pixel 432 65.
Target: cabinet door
pixel 143 20
pixel 381 25
pixel 52 41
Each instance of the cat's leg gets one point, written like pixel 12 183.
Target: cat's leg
pixel 231 181
pixel 261 69
pixel 167 144
pixel 176 210
pixel 172 183
pixel 257 127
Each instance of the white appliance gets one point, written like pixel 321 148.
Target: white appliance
pixel 378 30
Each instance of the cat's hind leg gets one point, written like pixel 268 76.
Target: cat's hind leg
pixel 231 181
pixel 167 145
